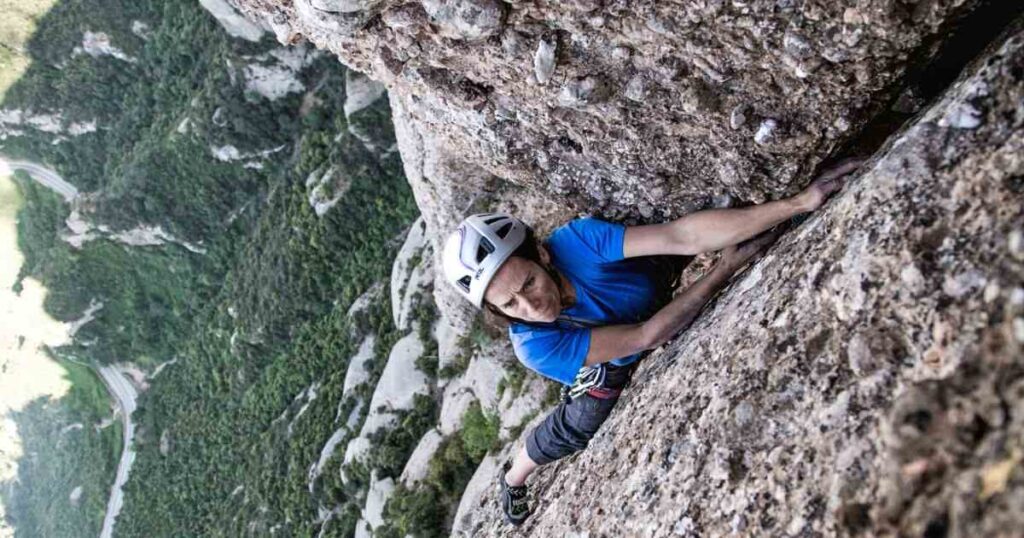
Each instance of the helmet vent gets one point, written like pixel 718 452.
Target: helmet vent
pixel 464 283
pixel 485 248
pixel 503 231
pixel 492 220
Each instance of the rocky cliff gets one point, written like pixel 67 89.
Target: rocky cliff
pixel 863 378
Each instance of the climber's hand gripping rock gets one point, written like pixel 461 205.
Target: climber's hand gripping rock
pixel 826 184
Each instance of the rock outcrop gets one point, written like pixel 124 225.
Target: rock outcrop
pixel 234 24
pixel 629 105
pixel 864 378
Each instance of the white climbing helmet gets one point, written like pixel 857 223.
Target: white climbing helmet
pixel 475 251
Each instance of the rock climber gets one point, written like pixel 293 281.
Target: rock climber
pixel 582 306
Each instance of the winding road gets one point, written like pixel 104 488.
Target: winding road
pixel 117 385
pixel 125 395
pixel 44 176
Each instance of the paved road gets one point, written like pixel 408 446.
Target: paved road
pixel 119 388
pixel 46 177
pixel 125 395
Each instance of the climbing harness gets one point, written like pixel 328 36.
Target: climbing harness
pixel 589 377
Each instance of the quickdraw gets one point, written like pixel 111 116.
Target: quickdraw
pixel 588 378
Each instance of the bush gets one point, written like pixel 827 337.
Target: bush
pixel 479 432
pixel 394 445
pixel 515 378
pixel 415 512
pixel 427 509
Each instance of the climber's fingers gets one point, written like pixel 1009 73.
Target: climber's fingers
pixel 842 168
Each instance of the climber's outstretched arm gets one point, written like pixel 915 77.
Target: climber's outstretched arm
pixel 614 341
pixel 714 229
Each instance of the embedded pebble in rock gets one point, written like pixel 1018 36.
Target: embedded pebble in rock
pixel 766 131
pixel 465 19
pixel 342 6
pixel 738 116
pixel 721 201
pixel 862 357
pixel 841 124
pixel 636 89
pixel 1015 242
pixel 582 92
pixel 796 45
pixel 544 61
pixel 991 292
pixel 964 116
pixel 743 415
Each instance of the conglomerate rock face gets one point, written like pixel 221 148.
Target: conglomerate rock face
pixel 642 110
pixel 865 378
pixel 630 107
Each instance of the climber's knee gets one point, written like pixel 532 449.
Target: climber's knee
pixel 567 429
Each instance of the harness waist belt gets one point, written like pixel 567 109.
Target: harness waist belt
pixel 603 393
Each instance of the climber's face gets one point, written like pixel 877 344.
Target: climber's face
pixel 523 289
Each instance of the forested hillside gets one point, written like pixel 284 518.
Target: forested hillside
pixel 277 206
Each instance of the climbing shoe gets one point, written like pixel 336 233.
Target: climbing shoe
pixel 513 499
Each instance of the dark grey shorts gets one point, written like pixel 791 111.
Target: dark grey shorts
pixel 572 424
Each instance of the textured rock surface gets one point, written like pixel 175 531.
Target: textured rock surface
pixel 466 67
pixel 864 378
pixel 411 274
pixel 628 109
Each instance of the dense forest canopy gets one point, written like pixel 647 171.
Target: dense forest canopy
pixel 253 319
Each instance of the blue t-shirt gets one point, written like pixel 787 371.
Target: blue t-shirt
pixel 610 290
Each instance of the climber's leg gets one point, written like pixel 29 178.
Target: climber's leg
pixel 568 429
pixel 522 467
